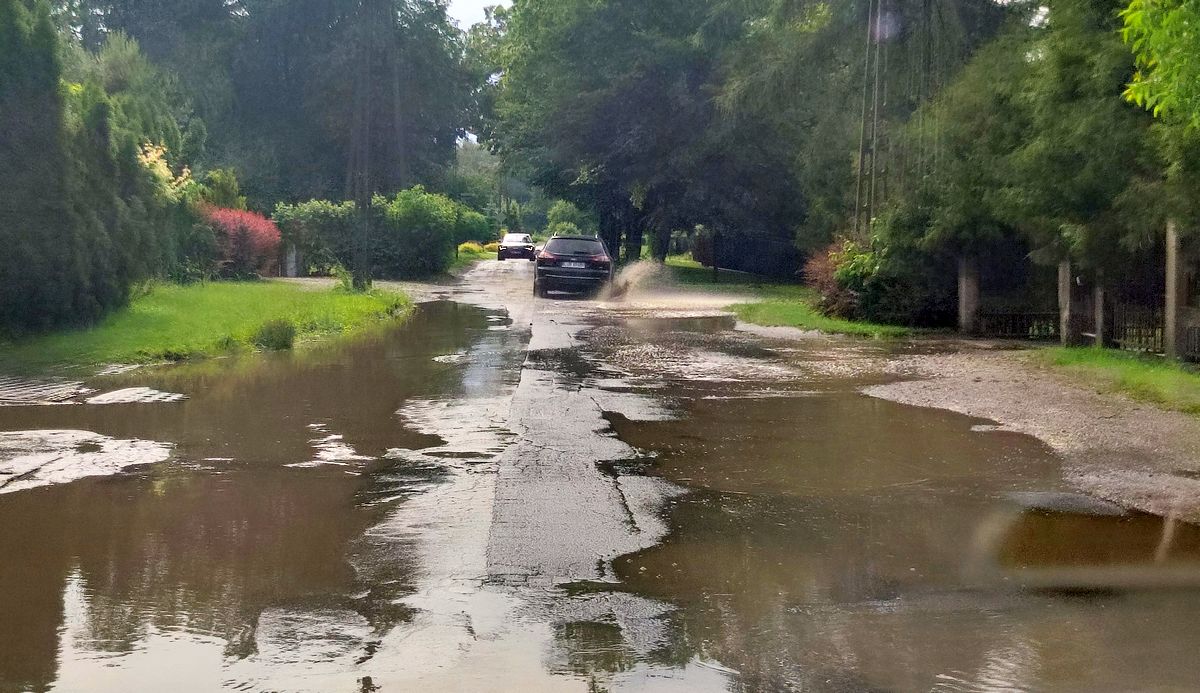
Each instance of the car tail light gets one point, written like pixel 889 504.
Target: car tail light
pixel 547 256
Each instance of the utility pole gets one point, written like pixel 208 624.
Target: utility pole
pixel 372 18
pixel 862 131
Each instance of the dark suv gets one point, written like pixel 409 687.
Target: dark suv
pixel 572 263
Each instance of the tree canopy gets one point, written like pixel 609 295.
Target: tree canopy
pixel 896 135
pixel 1164 35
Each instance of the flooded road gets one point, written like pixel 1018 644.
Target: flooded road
pixel 518 494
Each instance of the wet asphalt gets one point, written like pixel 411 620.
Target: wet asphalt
pixel 519 494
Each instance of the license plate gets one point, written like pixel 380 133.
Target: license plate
pixel 574 265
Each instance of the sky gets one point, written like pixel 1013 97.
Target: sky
pixel 468 12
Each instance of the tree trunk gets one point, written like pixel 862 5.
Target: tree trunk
pixel 1175 331
pixel 716 256
pixel 1098 313
pixel 660 244
pixel 399 139
pixel 610 233
pixel 633 242
pixel 1066 305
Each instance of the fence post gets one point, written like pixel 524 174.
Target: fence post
pixel 968 295
pixel 1173 325
pixel 1098 307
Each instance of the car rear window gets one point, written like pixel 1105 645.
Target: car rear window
pixel 574 246
pixel 515 238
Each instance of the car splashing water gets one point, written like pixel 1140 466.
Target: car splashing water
pixel 649 289
pixel 636 277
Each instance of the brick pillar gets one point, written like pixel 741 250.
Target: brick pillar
pixel 968 295
pixel 1066 305
pixel 1173 333
pixel 291 262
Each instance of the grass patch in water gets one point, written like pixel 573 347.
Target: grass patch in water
pixel 781 304
pixel 1145 378
pixel 798 312
pixel 174 323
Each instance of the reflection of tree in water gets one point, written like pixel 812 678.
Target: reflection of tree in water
pixel 194 552
pixel 801 595
pixel 799 566
pixel 209 551
pixel 592 649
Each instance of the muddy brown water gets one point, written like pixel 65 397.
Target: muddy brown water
pixel 321 517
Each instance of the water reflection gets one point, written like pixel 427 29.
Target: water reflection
pixel 827 541
pixel 225 552
pixel 829 538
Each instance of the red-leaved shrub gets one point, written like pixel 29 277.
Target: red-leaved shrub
pixel 820 273
pixel 248 241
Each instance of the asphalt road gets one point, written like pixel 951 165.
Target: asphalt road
pixel 510 493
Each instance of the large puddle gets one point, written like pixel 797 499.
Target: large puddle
pixel 241 541
pixel 406 511
pixel 832 541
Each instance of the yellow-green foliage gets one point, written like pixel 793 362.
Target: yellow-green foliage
pixel 174 322
pixel 470 248
pixel 493 247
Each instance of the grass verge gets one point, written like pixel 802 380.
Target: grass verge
pixel 798 312
pixel 1144 378
pixel 466 258
pixel 173 323
pixel 778 304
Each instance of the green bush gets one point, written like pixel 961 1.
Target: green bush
pixel 196 254
pixel 413 234
pixel 275 335
pixel 470 225
pixel 563 212
pixel 563 228
pixel 493 247
pixel 321 231
pixel 885 281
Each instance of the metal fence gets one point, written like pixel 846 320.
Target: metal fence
pixel 1034 326
pixel 1138 327
pixel 1191 344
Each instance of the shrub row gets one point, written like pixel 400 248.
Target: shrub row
pixel 413 234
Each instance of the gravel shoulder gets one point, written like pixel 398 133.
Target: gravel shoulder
pixel 1113 447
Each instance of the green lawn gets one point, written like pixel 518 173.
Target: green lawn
pixel 173 322
pixel 778 303
pixel 1150 379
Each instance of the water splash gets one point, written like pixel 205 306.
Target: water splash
pixel 639 276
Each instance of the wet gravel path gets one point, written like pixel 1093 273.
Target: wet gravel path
pixel 1118 449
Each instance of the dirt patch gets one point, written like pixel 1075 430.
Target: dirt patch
pixel 1114 448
